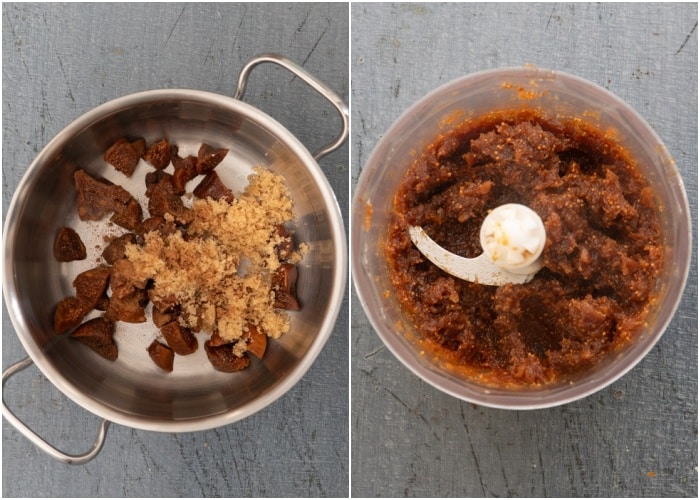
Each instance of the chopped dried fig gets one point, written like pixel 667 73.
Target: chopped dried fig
pixel 185 171
pixel 124 155
pixel 158 154
pixel 188 161
pixel 257 341
pixel 69 313
pixel 124 280
pixel 284 287
pixel 130 216
pixel 161 316
pixel 212 187
pixel 153 178
pixel 209 157
pixel 68 246
pixel 103 303
pixel 91 285
pixel 285 247
pixel 129 308
pixel 159 224
pixel 163 199
pixel 98 335
pixel 162 355
pixel 98 197
pixel 116 248
pixel 180 339
pixel 223 359
pixel 285 300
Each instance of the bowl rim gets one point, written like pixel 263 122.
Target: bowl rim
pixel 337 235
pixel 396 342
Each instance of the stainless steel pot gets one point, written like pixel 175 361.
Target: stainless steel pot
pixel 132 391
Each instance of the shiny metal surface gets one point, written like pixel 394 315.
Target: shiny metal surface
pixel 316 84
pixel 559 94
pixel 52 451
pixel 132 391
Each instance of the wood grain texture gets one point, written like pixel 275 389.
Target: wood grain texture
pixel 637 437
pixel 61 60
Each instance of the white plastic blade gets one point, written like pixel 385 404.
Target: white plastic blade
pixel 477 270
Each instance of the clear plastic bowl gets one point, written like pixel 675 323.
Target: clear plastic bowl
pixel 555 94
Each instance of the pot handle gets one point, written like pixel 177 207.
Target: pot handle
pixel 40 442
pixel 312 81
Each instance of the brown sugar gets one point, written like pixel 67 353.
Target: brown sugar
pixel 219 273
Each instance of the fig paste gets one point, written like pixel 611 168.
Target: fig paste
pixel 602 257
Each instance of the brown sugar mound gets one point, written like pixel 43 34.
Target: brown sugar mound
pixel 220 272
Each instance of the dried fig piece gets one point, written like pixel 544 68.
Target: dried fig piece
pixel 209 157
pixel 91 285
pixel 129 308
pixel 98 197
pixel 257 341
pixel 150 224
pixel 163 199
pixel 124 279
pixel 162 355
pixel 223 359
pixel 103 303
pixel 185 171
pixel 212 187
pixel 130 216
pixel 285 247
pixel 158 154
pixel 68 246
pixel 161 315
pixel 284 287
pixel 116 249
pixel 180 339
pixel 69 313
pixel 159 224
pixel 153 178
pixel 98 335
pixel 124 155
pixel 285 300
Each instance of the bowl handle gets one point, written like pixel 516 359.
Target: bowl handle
pixel 316 84
pixel 38 441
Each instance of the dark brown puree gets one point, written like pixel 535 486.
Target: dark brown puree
pixel 602 257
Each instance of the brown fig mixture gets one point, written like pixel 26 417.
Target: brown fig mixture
pixel 602 258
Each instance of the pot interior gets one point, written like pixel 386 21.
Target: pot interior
pixel 132 390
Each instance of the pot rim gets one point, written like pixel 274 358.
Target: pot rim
pixel 396 342
pixel 117 415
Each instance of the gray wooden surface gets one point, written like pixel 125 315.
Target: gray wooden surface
pixel 639 436
pixel 59 61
